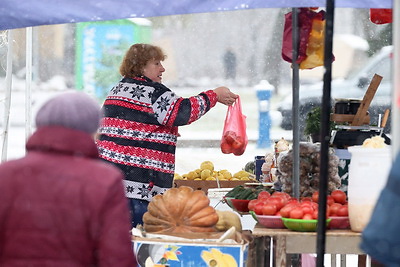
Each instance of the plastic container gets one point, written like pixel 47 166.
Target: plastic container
pixel 302 225
pixel 368 172
pixel 240 205
pixel 274 222
pixel 338 222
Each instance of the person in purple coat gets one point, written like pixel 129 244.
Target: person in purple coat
pixel 60 205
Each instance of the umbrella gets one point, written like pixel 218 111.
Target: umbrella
pixel 46 12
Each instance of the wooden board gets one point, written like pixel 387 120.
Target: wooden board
pixel 205 185
pixel 365 103
pixel 340 118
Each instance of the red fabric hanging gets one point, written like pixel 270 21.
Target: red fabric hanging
pixel 306 16
pixel 381 15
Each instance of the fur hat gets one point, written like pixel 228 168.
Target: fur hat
pixel 75 110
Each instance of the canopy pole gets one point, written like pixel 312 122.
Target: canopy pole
pixel 396 81
pixel 295 101
pixel 28 83
pixel 325 132
pixel 7 100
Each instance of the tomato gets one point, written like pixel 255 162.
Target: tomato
pixel 314 205
pixel 308 216
pixel 258 208
pixel 225 147
pixel 328 211
pixel 239 151
pixel 305 199
pixel 263 194
pixel 238 142
pixel 296 213
pixel 334 208
pixel 339 196
pixel 269 209
pixel 292 201
pixel 263 200
pixel 315 214
pixel 329 200
pixel 285 211
pixel 315 196
pixel 307 209
pixel 278 201
pixel 252 204
pixel 343 211
pixel 282 194
pixel 229 136
pixel 305 204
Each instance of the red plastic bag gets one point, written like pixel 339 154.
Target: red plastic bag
pixel 381 15
pixel 234 138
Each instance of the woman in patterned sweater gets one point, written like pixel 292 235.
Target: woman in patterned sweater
pixel 139 130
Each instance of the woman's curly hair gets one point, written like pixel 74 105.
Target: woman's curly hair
pixel 137 57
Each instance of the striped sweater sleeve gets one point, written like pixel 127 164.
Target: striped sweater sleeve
pixel 183 111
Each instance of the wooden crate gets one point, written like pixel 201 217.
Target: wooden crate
pixel 205 185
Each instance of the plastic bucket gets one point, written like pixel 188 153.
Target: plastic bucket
pixel 368 172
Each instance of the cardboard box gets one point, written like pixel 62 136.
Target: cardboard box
pixel 175 251
pixel 205 185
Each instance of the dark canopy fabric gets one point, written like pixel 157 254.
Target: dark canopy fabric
pixel 26 13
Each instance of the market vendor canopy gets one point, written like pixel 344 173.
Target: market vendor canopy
pixel 29 13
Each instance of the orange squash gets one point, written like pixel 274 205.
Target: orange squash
pixel 180 210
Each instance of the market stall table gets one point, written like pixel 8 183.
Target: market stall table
pixel 292 242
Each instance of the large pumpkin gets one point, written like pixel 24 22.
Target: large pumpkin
pixel 180 210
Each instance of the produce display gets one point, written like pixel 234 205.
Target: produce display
pixel 180 210
pixel 247 192
pixel 309 170
pixel 206 172
pixel 280 204
pixel 268 168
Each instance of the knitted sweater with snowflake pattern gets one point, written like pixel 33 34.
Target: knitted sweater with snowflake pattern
pixel 139 131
